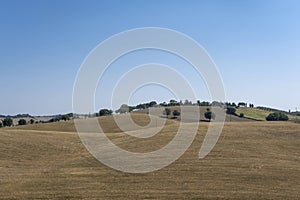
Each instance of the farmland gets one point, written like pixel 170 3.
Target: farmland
pixel 252 159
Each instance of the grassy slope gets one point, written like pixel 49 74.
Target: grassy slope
pixel 255 160
pixel 190 112
pixel 253 113
pixel 256 114
pixel 107 123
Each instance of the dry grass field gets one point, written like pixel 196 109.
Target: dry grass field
pixel 252 160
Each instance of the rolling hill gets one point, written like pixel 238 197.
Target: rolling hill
pixel 255 160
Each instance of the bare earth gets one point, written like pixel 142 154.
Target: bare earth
pixel 252 160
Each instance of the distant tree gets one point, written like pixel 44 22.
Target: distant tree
pixel 167 112
pixel 186 102
pixel 242 104
pixel 205 103
pixel 105 112
pixel 173 102
pixel 277 116
pixel 227 104
pixel 231 110
pixel 198 103
pixel 233 104
pixel 176 113
pixel 152 103
pixel 65 117
pixel 140 107
pixel 52 120
pixel 251 105
pixel 31 121
pixel 1 125
pixel 123 109
pixel 22 122
pixel 164 104
pixel 7 121
pixel 209 115
pixel 217 103
pixel 242 115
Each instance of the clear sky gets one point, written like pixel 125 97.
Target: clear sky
pixel 255 44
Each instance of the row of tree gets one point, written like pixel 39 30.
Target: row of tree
pixel 168 111
pixel 277 116
pixel 208 114
pixel 8 121
pixel 124 108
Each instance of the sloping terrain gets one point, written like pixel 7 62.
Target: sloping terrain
pixel 253 160
pixel 190 112
pixel 108 123
pixel 257 114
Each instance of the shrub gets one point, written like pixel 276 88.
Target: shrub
pixel 167 112
pixel 22 122
pixel 55 119
pixel 176 113
pixel 65 117
pixel 277 116
pixel 105 112
pixel 209 115
pixel 242 115
pixel 7 121
pixel 125 109
pixel 230 110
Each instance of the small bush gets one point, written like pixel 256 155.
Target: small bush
pixel 230 110
pixel 167 112
pixel 65 117
pixel 209 115
pixel 176 113
pixel 105 112
pixel 277 116
pixel 242 115
pixel 7 121
pixel 22 122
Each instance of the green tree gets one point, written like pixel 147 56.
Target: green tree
pixel 105 112
pixel 242 104
pixel 173 102
pixel 242 115
pixel 31 121
pixel 7 121
pixel 167 112
pixel 22 122
pixel 209 115
pixel 186 102
pixel 152 103
pixel 1 125
pixel 231 110
pixel 176 113
pixel 277 116
pixel 65 117
pixel 125 109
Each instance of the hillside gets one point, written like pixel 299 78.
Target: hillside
pixel 255 160
pixel 107 123
pixel 257 113
pixel 190 112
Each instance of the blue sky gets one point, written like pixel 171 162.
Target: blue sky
pixel 255 44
